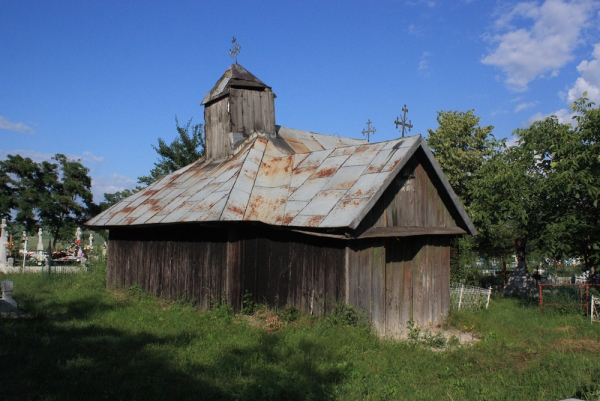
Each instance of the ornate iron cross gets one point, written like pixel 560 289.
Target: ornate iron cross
pixel 368 132
pixel 403 122
pixel 235 49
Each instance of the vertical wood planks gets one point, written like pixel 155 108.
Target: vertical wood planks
pixel 378 287
pixel 393 281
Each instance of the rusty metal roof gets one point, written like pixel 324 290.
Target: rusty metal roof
pixel 316 181
pixel 234 75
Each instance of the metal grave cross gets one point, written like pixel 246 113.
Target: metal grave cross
pixel 403 122
pixel 368 132
pixel 235 49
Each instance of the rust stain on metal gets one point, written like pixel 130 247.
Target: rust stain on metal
pixel 150 192
pixel 288 219
pixel 314 221
pixel 127 209
pixel 299 171
pixel 236 210
pixel 252 206
pixel 328 172
pixel 153 201
pixel 393 165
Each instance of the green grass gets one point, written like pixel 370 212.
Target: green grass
pixel 84 342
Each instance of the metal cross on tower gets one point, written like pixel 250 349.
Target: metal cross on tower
pixel 235 49
pixel 368 132
pixel 403 122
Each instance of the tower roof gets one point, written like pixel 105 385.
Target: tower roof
pixel 235 76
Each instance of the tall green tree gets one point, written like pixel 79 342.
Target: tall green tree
pixel 22 187
pixel 52 195
pixel 116 197
pixel 68 202
pixel 548 187
pixel 185 149
pixel 461 146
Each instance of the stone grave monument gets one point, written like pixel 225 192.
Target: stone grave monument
pixel 40 246
pixel 3 242
pixel 7 303
pixel 520 283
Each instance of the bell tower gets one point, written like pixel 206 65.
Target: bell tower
pixel 238 105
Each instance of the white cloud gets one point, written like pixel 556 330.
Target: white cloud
pixel 565 116
pixel 32 154
pixel 89 157
pixel 86 157
pixel 523 106
pixel 413 30
pixel 112 184
pixel 17 127
pixel 589 81
pixel 513 141
pixel 428 3
pixel 526 52
pixel 424 63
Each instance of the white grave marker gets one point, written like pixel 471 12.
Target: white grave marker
pixel 3 242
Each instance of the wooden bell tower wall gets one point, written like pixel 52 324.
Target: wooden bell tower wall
pixel 241 111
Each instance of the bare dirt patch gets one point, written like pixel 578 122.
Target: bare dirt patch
pixel 581 345
pixel 564 329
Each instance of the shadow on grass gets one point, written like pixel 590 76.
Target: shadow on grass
pixel 57 356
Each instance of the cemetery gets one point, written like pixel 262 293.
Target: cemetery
pixel 70 259
pixel 287 264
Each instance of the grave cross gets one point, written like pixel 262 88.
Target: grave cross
pixel 368 132
pixel 235 49
pixel 24 236
pixel 403 122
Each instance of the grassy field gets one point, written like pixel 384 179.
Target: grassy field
pixel 84 342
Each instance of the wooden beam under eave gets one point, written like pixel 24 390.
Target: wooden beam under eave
pixel 376 232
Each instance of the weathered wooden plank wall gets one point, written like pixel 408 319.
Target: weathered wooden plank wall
pixel 287 269
pixel 170 262
pixel 241 111
pixel 252 110
pixel 394 280
pixel 217 128
pixel 206 264
pixel 414 199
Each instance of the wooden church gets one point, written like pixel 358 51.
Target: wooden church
pixel 293 218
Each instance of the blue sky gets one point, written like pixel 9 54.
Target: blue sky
pixel 102 80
